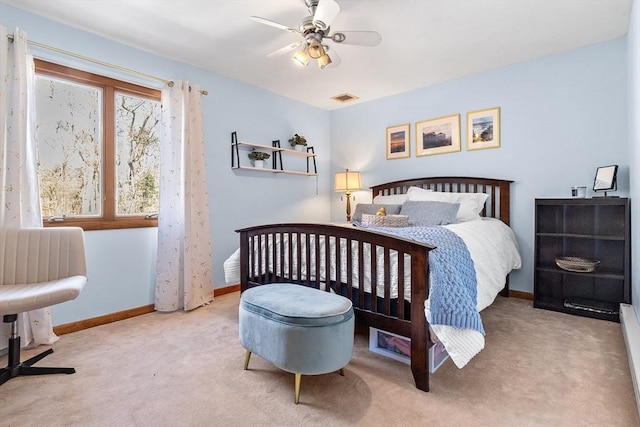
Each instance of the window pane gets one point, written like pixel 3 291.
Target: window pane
pixel 137 155
pixel 69 138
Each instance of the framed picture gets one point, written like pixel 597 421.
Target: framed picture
pixel 438 136
pixel 483 129
pixel 398 142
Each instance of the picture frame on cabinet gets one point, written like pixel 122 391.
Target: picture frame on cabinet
pixel 606 179
pixel 398 139
pixel 438 136
pixel 483 129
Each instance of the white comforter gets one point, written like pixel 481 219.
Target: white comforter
pixel 494 251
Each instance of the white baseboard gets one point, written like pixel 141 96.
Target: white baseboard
pixel 631 332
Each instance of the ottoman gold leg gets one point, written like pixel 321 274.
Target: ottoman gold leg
pixel 297 388
pixel 247 356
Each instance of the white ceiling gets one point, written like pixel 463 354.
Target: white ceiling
pixel 423 41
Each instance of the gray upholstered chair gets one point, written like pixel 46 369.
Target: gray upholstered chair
pixel 39 267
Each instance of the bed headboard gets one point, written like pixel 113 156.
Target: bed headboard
pixel 496 206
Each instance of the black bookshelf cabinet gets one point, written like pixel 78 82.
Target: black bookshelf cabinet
pixel 598 228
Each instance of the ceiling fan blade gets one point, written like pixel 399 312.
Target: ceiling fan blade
pixel 274 24
pixel 361 38
pixel 287 48
pixel 325 13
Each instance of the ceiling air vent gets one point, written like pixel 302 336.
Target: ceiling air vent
pixel 344 98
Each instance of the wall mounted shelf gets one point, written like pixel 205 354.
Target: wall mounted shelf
pixel 276 157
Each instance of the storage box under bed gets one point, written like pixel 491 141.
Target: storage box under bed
pixel 398 347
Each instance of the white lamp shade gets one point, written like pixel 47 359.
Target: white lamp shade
pixel 301 58
pixel 347 181
pixel 324 60
pixel 315 50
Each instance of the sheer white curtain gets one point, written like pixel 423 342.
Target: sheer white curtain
pixel 19 195
pixel 184 276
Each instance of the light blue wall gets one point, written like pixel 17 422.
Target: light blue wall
pixel 121 263
pixel 633 50
pixel 561 117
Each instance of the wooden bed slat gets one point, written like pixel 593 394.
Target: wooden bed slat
pixel 387 282
pixel 361 261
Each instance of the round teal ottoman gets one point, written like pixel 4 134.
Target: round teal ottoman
pixel 299 329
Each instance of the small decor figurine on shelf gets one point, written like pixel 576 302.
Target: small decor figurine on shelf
pixel 258 158
pixel 298 142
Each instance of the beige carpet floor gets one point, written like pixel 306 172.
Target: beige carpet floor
pixel 539 368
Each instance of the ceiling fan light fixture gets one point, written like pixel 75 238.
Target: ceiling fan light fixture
pixel 301 58
pixel 315 49
pixel 314 29
pixel 323 61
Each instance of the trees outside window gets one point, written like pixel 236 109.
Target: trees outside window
pixel 98 149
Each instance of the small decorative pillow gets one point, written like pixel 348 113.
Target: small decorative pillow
pixel 425 213
pixel 372 209
pixel 385 220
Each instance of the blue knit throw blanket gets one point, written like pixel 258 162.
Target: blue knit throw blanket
pixel 453 290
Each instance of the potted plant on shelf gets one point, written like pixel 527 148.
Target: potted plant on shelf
pixel 258 158
pixel 298 142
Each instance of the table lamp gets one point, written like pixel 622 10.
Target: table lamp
pixel 347 182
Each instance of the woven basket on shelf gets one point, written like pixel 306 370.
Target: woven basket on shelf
pixel 577 264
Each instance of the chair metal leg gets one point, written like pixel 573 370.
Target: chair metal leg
pixel 15 368
pixel 247 356
pixel 5 375
pixel 297 388
pixel 37 357
pixel 41 370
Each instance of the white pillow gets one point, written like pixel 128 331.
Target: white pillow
pixel 471 204
pixel 391 199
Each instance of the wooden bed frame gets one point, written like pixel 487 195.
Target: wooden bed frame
pixel 282 262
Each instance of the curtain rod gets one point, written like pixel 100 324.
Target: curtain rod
pixel 97 61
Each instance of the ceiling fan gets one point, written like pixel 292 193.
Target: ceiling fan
pixel 316 32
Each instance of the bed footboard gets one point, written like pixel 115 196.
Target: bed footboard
pixel 378 272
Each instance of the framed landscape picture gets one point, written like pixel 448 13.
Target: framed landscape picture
pixel 438 136
pixel 483 129
pixel 398 142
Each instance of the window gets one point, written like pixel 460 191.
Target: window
pixel 98 149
